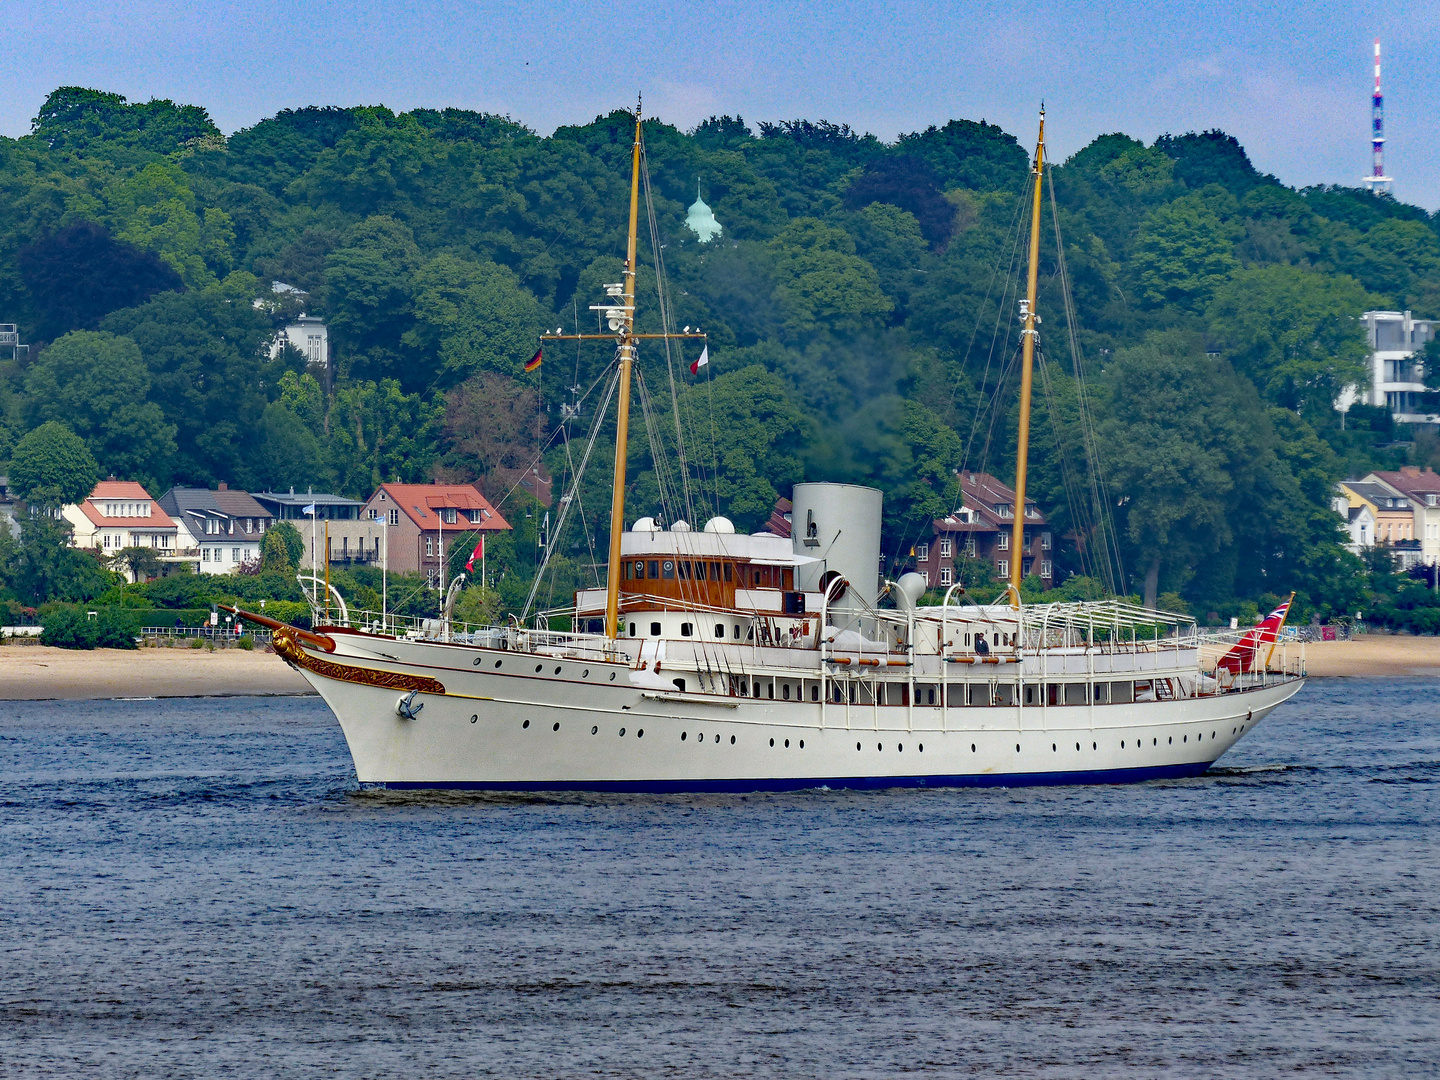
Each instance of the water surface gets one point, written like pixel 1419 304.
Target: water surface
pixel 197 888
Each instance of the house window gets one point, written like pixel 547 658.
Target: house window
pixel 922 552
pixel 1044 541
pixel 234 554
pixel 1004 541
pixel 447 515
pixel 204 554
pixel 394 517
pixel 945 548
pixel 970 546
pixel 1045 570
pixel 105 540
pixel 429 545
pixel 925 574
pixel 1003 568
pixel 476 516
pixel 945 578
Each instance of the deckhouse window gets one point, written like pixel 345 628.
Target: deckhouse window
pixel 639 571
pixel 727 573
pixel 667 570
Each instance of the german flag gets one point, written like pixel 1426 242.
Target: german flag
pixel 533 364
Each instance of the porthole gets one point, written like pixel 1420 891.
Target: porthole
pixel 900 747
pixel 612 676
pixel 1017 748
pixel 539 668
pixel 717 738
pixel 787 744
pixel 802 744
pixel 684 735
pixel 640 734
pixel 557 670
pixel 556 727
pixel 772 742
pixel 622 732
pixel 732 740
pixel 1077 746
pixel 1052 746
pixel 972 748
pixel 699 736
pixel 1212 734
pixel 526 724
pixel 595 729
pixel 1171 740
pixel 498 663
pixel 921 748
pixel 880 746
pixel 585 674
pixel 1184 738
pixel 1122 744
pixel 478 661
pixel 857 746
pixel 474 718
pixel 1232 731
pixel 1094 746
pixel 1154 742
pixel 1242 728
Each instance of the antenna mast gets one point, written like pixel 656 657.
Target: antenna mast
pixel 1377 181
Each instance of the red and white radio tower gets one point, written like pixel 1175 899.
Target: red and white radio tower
pixel 1377 181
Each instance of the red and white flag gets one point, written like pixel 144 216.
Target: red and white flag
pixel 478 553
pixel 1241 657
pixel 700 361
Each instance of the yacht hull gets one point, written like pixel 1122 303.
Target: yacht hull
pixel 492 720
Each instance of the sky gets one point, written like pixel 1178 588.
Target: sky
pixel 1293 84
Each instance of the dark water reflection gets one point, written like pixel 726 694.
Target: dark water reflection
pixel 196 888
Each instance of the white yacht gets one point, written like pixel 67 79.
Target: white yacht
pixel 718 661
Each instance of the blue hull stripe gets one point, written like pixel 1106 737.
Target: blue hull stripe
pixel 865 783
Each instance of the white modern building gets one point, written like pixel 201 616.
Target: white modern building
pixel 1397 373
pixel 121 514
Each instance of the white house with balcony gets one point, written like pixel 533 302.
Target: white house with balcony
pixel 1397 372
pixel 310 336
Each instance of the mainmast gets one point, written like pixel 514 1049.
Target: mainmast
pixel 1027 311
pixel 620 320
pixel 626 334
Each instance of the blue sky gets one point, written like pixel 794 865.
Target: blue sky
pixel 1292 83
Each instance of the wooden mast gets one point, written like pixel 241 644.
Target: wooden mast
pixel 1027 370
pixel 622 418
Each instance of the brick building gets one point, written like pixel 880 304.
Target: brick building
pixel 422 517
pixel 981 530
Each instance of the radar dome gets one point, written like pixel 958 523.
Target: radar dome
pixel 645 524
pixel 680 526
pixel 719 525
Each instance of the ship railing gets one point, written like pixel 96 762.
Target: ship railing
pixel 511 638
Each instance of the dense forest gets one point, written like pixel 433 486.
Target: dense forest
pixel 860 307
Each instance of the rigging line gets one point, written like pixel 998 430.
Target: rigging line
pixel 551 437
pixel 1099 489
pixel 580 509
pixel 1074 496
pixel 558 528
pixel 1002 306
pixel 989 288
pixel 664 304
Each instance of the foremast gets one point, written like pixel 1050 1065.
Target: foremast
pixel 1027 370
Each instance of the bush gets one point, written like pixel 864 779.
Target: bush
pixel 246 642
pixel 69 627
pixel 196 643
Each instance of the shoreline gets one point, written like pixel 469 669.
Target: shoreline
pixel 42 673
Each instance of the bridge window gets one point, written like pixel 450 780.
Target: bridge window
pixel 719 630
pixel 684 570
pixel 654 629
pixel 654 568
pixel 687 629
pixel 727 573
pixel 640 571
pixel 632 629
pixel 667 569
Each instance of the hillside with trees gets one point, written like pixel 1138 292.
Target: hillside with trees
pixel 859 305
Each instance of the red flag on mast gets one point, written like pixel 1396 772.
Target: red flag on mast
pixel 478 553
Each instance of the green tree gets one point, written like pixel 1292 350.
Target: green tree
pixel 48 568
pixel 1295 333
pixel 369 293
pixel 1183 253
pixel 824 284
pixel 379 434
pixel 52 467
pixel 157 210
pixel 275 551
pixel 471 317
pixel 285 453
pixel 97 383
pixel 294 543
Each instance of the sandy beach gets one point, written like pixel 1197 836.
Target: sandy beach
pixel 1374 655
pixel 35 672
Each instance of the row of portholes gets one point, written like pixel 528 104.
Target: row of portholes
pixel 787 743
pixel 700 737
pixel 899 747
pixel 594 730
pixel 585 674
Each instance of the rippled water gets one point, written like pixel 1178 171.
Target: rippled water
pixel 196 888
